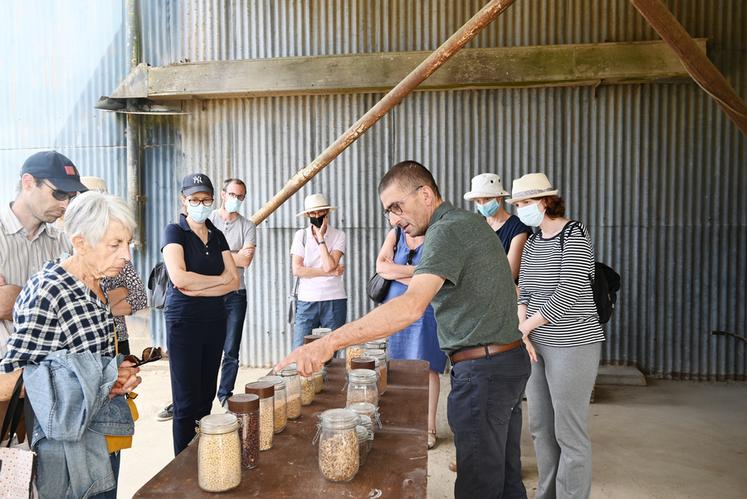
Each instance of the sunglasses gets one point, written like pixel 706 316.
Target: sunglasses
pixel 150 354
pixel 411 256
pixel 60 195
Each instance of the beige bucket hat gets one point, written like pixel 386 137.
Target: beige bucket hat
pixel 94 183
pixel 486 185
pixel 531 185
pixel 315 202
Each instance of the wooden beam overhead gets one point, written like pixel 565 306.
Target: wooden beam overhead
pixel 503 67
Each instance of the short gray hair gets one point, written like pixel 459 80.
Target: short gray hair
pixel 90 213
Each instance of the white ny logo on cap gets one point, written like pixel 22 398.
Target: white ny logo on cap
pixel 197 179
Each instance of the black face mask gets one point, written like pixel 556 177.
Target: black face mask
pixel 317 221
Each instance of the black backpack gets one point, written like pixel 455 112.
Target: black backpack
pixel 604 285
pixel 158 283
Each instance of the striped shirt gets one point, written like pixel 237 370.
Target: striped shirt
pixel 56 311
pixel 557 283
pixel 21 257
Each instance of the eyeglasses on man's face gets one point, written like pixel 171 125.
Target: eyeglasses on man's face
pixel 240 197
pixel 58 194
pixel 198 202
pixel 396 207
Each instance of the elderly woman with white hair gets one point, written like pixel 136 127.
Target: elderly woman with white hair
pixel 64 341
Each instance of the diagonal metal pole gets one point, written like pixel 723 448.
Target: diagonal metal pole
pixel 696 62
pixel 464 35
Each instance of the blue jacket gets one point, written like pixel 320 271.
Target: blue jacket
pixel 69 394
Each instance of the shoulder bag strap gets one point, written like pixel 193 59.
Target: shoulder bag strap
pixel 15 410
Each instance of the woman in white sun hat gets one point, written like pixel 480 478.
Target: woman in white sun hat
pixel 488 195
pixel 561 329
pixel 316 253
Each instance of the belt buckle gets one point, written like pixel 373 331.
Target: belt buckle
pixel 487 351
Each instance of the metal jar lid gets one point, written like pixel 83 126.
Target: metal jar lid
pixel 290 370
pixel 264 389
pixel 321 331
pixel 363 363
pixel 243 403
pixel 365 408
pixel 376 345
pixel 311 337
pixel 217 424
pixel 362 376
pixel 277 381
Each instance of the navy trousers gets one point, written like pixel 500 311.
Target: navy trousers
pixel 195 350
pixel 236 309
pixel 484 412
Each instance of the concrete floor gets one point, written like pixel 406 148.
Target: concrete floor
pixel 666 440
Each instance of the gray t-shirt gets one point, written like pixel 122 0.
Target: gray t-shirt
pixel 239 233
pixel 477 303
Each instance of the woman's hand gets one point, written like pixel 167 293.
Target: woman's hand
pixel 127 379
pixel 530 348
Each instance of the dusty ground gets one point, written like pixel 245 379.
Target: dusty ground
pixel 667 440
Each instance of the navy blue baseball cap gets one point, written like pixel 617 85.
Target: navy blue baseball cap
pixel 56 168
pixel 196 182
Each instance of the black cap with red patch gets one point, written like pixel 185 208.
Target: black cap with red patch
pixel 56 168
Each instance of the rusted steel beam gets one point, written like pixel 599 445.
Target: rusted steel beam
pixel 697 64
pixel 464 35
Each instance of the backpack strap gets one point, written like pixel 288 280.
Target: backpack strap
pixel 396 241
pixel 568 228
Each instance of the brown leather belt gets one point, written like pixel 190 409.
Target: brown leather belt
pixel 482 352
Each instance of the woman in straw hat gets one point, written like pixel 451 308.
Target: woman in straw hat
pixel 316 252
pixel 488 195
pixel 561 329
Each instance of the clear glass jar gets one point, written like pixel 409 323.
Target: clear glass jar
pixel 352 352
pixel 318 378
pixel 280 405
pixel 369 411
pixel 219 453
pixel 307 389
pixel 381 368
pixel 378 345
pixel 363 387
pixel 246 409
pixel 364 443
pixel 339 451
pixel 266 393
pixel 321 331
pixel 292 391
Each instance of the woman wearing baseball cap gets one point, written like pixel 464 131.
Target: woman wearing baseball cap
pixel 201 271
pixel 488 195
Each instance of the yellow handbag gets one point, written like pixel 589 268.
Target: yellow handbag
pixel 116 443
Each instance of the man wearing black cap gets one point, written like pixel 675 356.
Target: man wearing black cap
pixel 48 182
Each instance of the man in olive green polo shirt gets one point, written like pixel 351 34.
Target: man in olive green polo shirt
pixel 465 274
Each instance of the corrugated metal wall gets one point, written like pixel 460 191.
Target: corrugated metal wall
pixel 656 171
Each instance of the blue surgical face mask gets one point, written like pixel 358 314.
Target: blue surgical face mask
pixel 488 209
pixel 232 204
pixel 531 215
pixel 199 213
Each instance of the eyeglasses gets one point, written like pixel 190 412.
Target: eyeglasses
pixel 236 196
pixel 150 354
pixel 396 207
pixel 203 202
pixel 411 256
pixel 60 195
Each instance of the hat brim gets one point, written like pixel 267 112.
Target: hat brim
pixel 472 195
pixel 197 188
pixel 536 196
pixel 67 184
pixel 318 208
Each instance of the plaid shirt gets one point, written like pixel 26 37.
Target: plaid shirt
pixel 55 311
pixel 136 296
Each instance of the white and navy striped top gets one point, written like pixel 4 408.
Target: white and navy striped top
pixel 557 283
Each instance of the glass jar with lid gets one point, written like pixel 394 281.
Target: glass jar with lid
pixel 363 362
pixel 292 391
pixel 339 450
pixel 381 368
pixel 280 403
pixel 266 393
pixel 318 378
pixel 364 443
pixel 307 389
pixel 246 409
pixel 219 453
pixel 378 345
pixel 369 411
pixel 352 352
pixel 362 387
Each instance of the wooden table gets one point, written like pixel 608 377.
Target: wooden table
pixel 396 465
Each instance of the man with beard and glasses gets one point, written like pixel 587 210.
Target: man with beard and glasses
pixel 316 252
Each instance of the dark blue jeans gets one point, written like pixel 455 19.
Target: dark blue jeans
pixel 195 349
pixel 484 411
pixel 236 310
pixel 311 314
